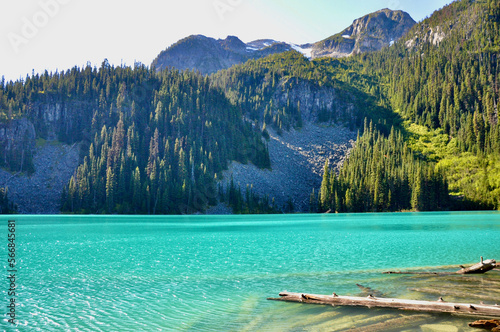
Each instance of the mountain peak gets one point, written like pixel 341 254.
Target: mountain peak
pixel 371 32
pixel 209 55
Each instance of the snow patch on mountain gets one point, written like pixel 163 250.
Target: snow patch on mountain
pixel 306 50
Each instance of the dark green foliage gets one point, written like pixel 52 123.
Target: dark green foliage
pixel 382 174
pixel 158 142
pixel 19 159
pixel 163 155
pixel 6 207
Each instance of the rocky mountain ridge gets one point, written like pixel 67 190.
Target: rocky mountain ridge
pixel 366 34
pixel 208 55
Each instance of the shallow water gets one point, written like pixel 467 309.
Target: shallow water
pixel 214 273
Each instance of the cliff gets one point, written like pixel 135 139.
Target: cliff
pixel 17 142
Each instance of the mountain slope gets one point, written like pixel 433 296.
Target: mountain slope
pixel 366 34
pixel 151 143
pixel 308 113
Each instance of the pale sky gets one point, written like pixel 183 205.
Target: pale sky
pixel 60 34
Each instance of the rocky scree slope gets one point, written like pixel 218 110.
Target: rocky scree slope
pixel 40 192
pixel 53 162
pixel 299 155
pixel 297 161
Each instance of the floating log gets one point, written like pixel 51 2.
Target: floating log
pixel 479 268
pixel 492 325
pixel 466 309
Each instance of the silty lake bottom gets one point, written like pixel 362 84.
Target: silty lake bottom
pixel 214 273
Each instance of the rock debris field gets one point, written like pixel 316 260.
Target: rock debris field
pixel 40 193
pixel 297 161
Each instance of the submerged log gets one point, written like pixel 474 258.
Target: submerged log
pixel 457 293
pixel 466 309
pixel 481 267
pixel 420 272
pixel 493 325
pixel 394 324
pixel 369 290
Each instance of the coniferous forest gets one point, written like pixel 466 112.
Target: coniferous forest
pixel 426 110
pixel 154 143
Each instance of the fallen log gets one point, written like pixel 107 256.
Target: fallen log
pixel 478 268
pixel 481 267
pixel 439 306
pixel 492 325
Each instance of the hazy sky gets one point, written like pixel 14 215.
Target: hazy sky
pixel 59 34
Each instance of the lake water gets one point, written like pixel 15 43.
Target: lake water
pixel 214 273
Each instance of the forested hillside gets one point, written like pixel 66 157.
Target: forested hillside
pixel 286 89
pixel 154 143
pixel 442 79
pixel 382 174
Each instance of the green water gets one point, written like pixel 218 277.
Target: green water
pixel 141 273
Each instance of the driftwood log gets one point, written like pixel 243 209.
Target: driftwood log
pixel 482 267
pixel 465 309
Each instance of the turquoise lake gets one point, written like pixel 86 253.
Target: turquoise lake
pixel 214 273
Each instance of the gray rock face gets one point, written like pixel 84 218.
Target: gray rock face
pixel 312 98
pixel 40 192
pixel 366 34
pixel 58 120
pixel 209 55
pixel 17 137
pixel 298 156
pixel 53 162
pixel 16 134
